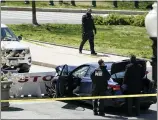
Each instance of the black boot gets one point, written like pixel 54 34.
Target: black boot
pixel 95 112
pixel 101 113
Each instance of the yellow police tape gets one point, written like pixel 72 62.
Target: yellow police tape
pixel 80 98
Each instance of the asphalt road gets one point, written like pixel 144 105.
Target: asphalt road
pixel 21 17
pixel 69 109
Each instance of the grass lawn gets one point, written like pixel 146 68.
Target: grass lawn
pixel 122 40
pixel 100 5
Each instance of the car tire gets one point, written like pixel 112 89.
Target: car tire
pixel 145 107
pixel 24 68
pixel 53 93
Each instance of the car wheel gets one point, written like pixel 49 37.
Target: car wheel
pixel 145 107
pixel 24 68
pixel 53 91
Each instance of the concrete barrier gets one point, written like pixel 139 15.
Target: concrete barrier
pixel 32 84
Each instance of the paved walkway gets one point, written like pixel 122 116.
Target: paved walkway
pixel 70 10
pixel 51 55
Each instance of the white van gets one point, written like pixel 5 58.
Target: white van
pixel 17 55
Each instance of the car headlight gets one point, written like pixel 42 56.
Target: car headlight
pixel 23 53
pixel 27 51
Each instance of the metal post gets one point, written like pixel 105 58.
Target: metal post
pixel 154 59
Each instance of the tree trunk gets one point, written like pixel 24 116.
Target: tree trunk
pixel 34 19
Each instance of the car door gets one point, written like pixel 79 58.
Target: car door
pixel 62 80
pixel 87 82
pixel 79 74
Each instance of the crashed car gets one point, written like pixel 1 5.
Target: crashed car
pixel 73 74
pixel 17 55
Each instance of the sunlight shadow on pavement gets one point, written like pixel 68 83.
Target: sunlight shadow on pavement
pixel 73 107
pixel 11 109
pixel 98 55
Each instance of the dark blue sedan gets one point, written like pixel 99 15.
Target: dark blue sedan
pixel 79 77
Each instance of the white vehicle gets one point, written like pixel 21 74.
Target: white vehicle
pixel 17 55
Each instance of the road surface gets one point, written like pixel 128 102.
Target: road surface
pixel 68 110
pixel 20 17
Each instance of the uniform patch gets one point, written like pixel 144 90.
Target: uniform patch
pixel 98 73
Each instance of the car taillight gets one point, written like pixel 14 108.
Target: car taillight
pixel 115 87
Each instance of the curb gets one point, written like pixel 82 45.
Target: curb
pixel 44 64
pixel 68 10
pixel 37 41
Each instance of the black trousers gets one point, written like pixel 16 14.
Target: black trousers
pixel 136 4
pixel 87 36
pixel 115 3
pixel 136 103
pixel 99 106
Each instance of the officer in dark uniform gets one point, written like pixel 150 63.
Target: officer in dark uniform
pixel 73 3
pixel 100 79
pixel 133 79
pixel 115 3
pixel 27 2
pixel 51 2
pixel 87 31
pixel 136 4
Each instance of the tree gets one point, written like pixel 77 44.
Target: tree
pixel 34 19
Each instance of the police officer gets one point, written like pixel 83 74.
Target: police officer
pixel 51 2
pixel 136 4
pixel 100 79
pixel 73 3
pixel 87 31
pixel 94 3
pixel 27 2
pixel 133 79
pixel 115 3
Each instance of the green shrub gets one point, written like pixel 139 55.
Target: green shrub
pixel 112 19
pixel 117 19
pixel 139 21
pixel 99 20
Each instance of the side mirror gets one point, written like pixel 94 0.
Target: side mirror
pixel 20 37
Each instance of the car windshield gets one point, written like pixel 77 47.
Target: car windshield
pixel 7 35
pixel 71 68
